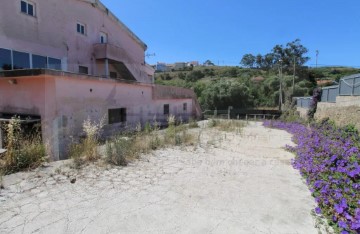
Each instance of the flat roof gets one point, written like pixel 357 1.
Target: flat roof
pixel 38 72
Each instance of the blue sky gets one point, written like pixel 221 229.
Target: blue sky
pixel 223 31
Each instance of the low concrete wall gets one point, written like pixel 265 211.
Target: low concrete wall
pixel 345 111
pixel 302 112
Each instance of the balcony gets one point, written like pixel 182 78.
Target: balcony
pixel 119 58
pixel 109 51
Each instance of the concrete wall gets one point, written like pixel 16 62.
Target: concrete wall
pixel 65 101
pixel 52 32
pixel 345 111
pixel 302 112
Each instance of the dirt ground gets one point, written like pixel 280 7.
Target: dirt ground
pixel 228 183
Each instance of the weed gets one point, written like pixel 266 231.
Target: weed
pixel 86 150
pixel 58 170
pixel 147 128
pixel 117 151
pixel 23 151
pixel 213 123
pixel 193 123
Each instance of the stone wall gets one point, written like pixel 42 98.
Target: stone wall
pixel 302 112
pixel 345 111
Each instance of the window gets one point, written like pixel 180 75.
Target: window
pixel 166 109
pixel 80 28
pixel 83 70
pixel 185 107
pixel 27 8
pixel 117 115
pixel 5 59
pixel 11 59
pixel 21 60
pixel 113 75
pixel 39 61
pixel 103 38
pixel 54 63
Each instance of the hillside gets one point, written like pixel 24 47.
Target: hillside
pixel 223 86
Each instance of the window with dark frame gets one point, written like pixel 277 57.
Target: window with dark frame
pixel 83 70
pixel 39 61
pixel 166 109
pixel 12 59
pixel 80 28
pixel 54 63
pixel 5 60
pixel 113 75
pixel 185 107
pixel 117 115
pixel 27 8
pixel 21 60
pixel 103 38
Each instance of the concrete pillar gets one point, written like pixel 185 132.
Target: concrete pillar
pixel 107 68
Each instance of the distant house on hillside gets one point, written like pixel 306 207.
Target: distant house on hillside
pixel 193 63
pixel 179 65
pixel 257 79
pixel 162 67
pixel 64 61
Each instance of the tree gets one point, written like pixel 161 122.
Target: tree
pixel 209 63
pixel 293 51
pixel 268 61
pixel 259 61
pixel 223 94
pixel 248 60
pixel 194 76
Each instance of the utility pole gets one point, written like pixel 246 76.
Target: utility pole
pixel 280 78
pixel 293 84
pixel 317 57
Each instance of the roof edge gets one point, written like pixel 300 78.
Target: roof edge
pixel 98 4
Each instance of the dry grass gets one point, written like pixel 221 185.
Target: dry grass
pixel 227 125
pixel 87 149
pixel 125 148
pixel 24 152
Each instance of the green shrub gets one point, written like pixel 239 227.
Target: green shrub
pixel 193 123
pixel 117 151
pixel 213 123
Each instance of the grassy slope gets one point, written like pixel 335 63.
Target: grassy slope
pixel 245 75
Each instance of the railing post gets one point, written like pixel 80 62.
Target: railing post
pixel 229 110
pixel 353 88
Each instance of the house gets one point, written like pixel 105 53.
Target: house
pixel 179 65
pixel 193 64
pixel 64 61
pixel 161 67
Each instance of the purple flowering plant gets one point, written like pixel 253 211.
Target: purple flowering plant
pixel 328 157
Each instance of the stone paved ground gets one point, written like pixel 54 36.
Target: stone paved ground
pixel 230 183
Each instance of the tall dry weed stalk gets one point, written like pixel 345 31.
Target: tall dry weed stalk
pixel 24 151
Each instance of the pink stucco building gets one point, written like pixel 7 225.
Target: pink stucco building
pixel 63 61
